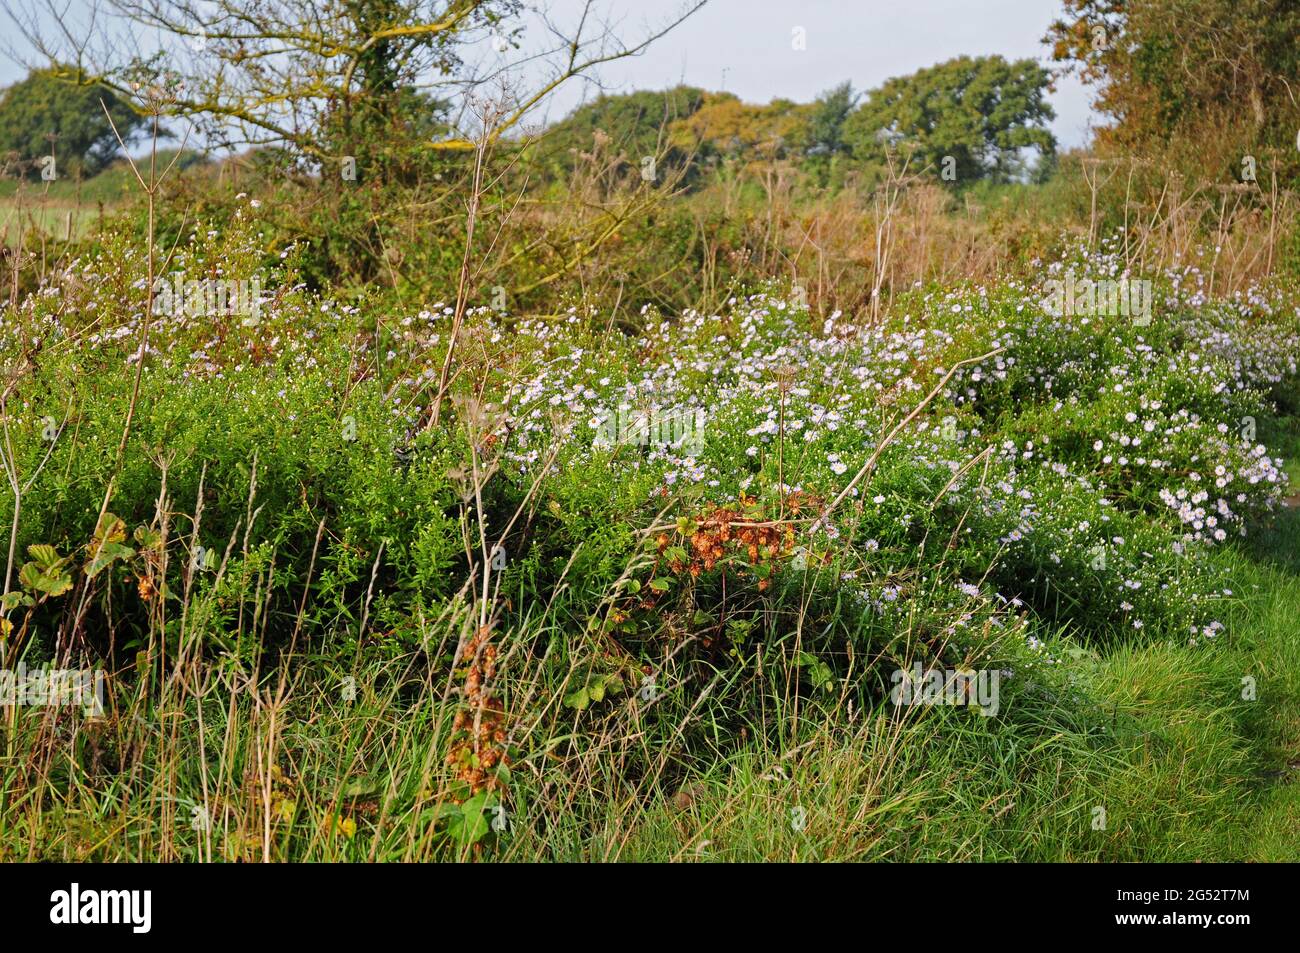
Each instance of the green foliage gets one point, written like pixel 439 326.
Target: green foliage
pixel 634 125
pixel 49 114
pixel 982 112
pixel 1240 99
pixel 826 120
pixel 293 574
pixel 661 611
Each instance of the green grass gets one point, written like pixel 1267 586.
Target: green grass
pixel 52 218
pixel 1185 769
pixel 305 694
pixel 112 184
pixel 1158 736
pixel 45 207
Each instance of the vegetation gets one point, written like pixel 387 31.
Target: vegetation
pixel 79 127
pixel 698 480
pixel 969 119
pixel 1239 99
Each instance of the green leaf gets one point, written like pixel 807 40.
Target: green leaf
pixel 105 557
pixel 819 674
pixel 110 528
pixel 440 812
pixel 579 699
pixel 58 585
pixel 44 555
pixel 52 584
pixel 362 788
pixel 471 825
pixel 659 585
pixel 738 630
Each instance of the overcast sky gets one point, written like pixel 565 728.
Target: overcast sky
pixel 746 47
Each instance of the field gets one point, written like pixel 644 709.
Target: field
pixel 344 632
pixel 691 480
pixel 61 210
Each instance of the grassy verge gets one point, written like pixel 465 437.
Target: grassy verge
pixel 1148 752
pixel 339 630
pixel 1182 765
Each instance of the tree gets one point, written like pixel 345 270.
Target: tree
pixel 1211 73
pixel 824 146
pixel 723 125
pixel 43 115
pixel 377 116
pixel 321 76
pixel 634 124
pixel 826 120
pixel 971 117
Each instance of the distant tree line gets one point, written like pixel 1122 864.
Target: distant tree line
pixel 964 120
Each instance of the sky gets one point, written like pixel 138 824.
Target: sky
pixel 748 47
pixel 745 47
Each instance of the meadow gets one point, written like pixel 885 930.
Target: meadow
pixel 648 596
pixel 388 477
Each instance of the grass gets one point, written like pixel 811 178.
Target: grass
pixel 65 207
pixel 316 654
pixel 1184 769
pixel 1269 643
pixel 1157 735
